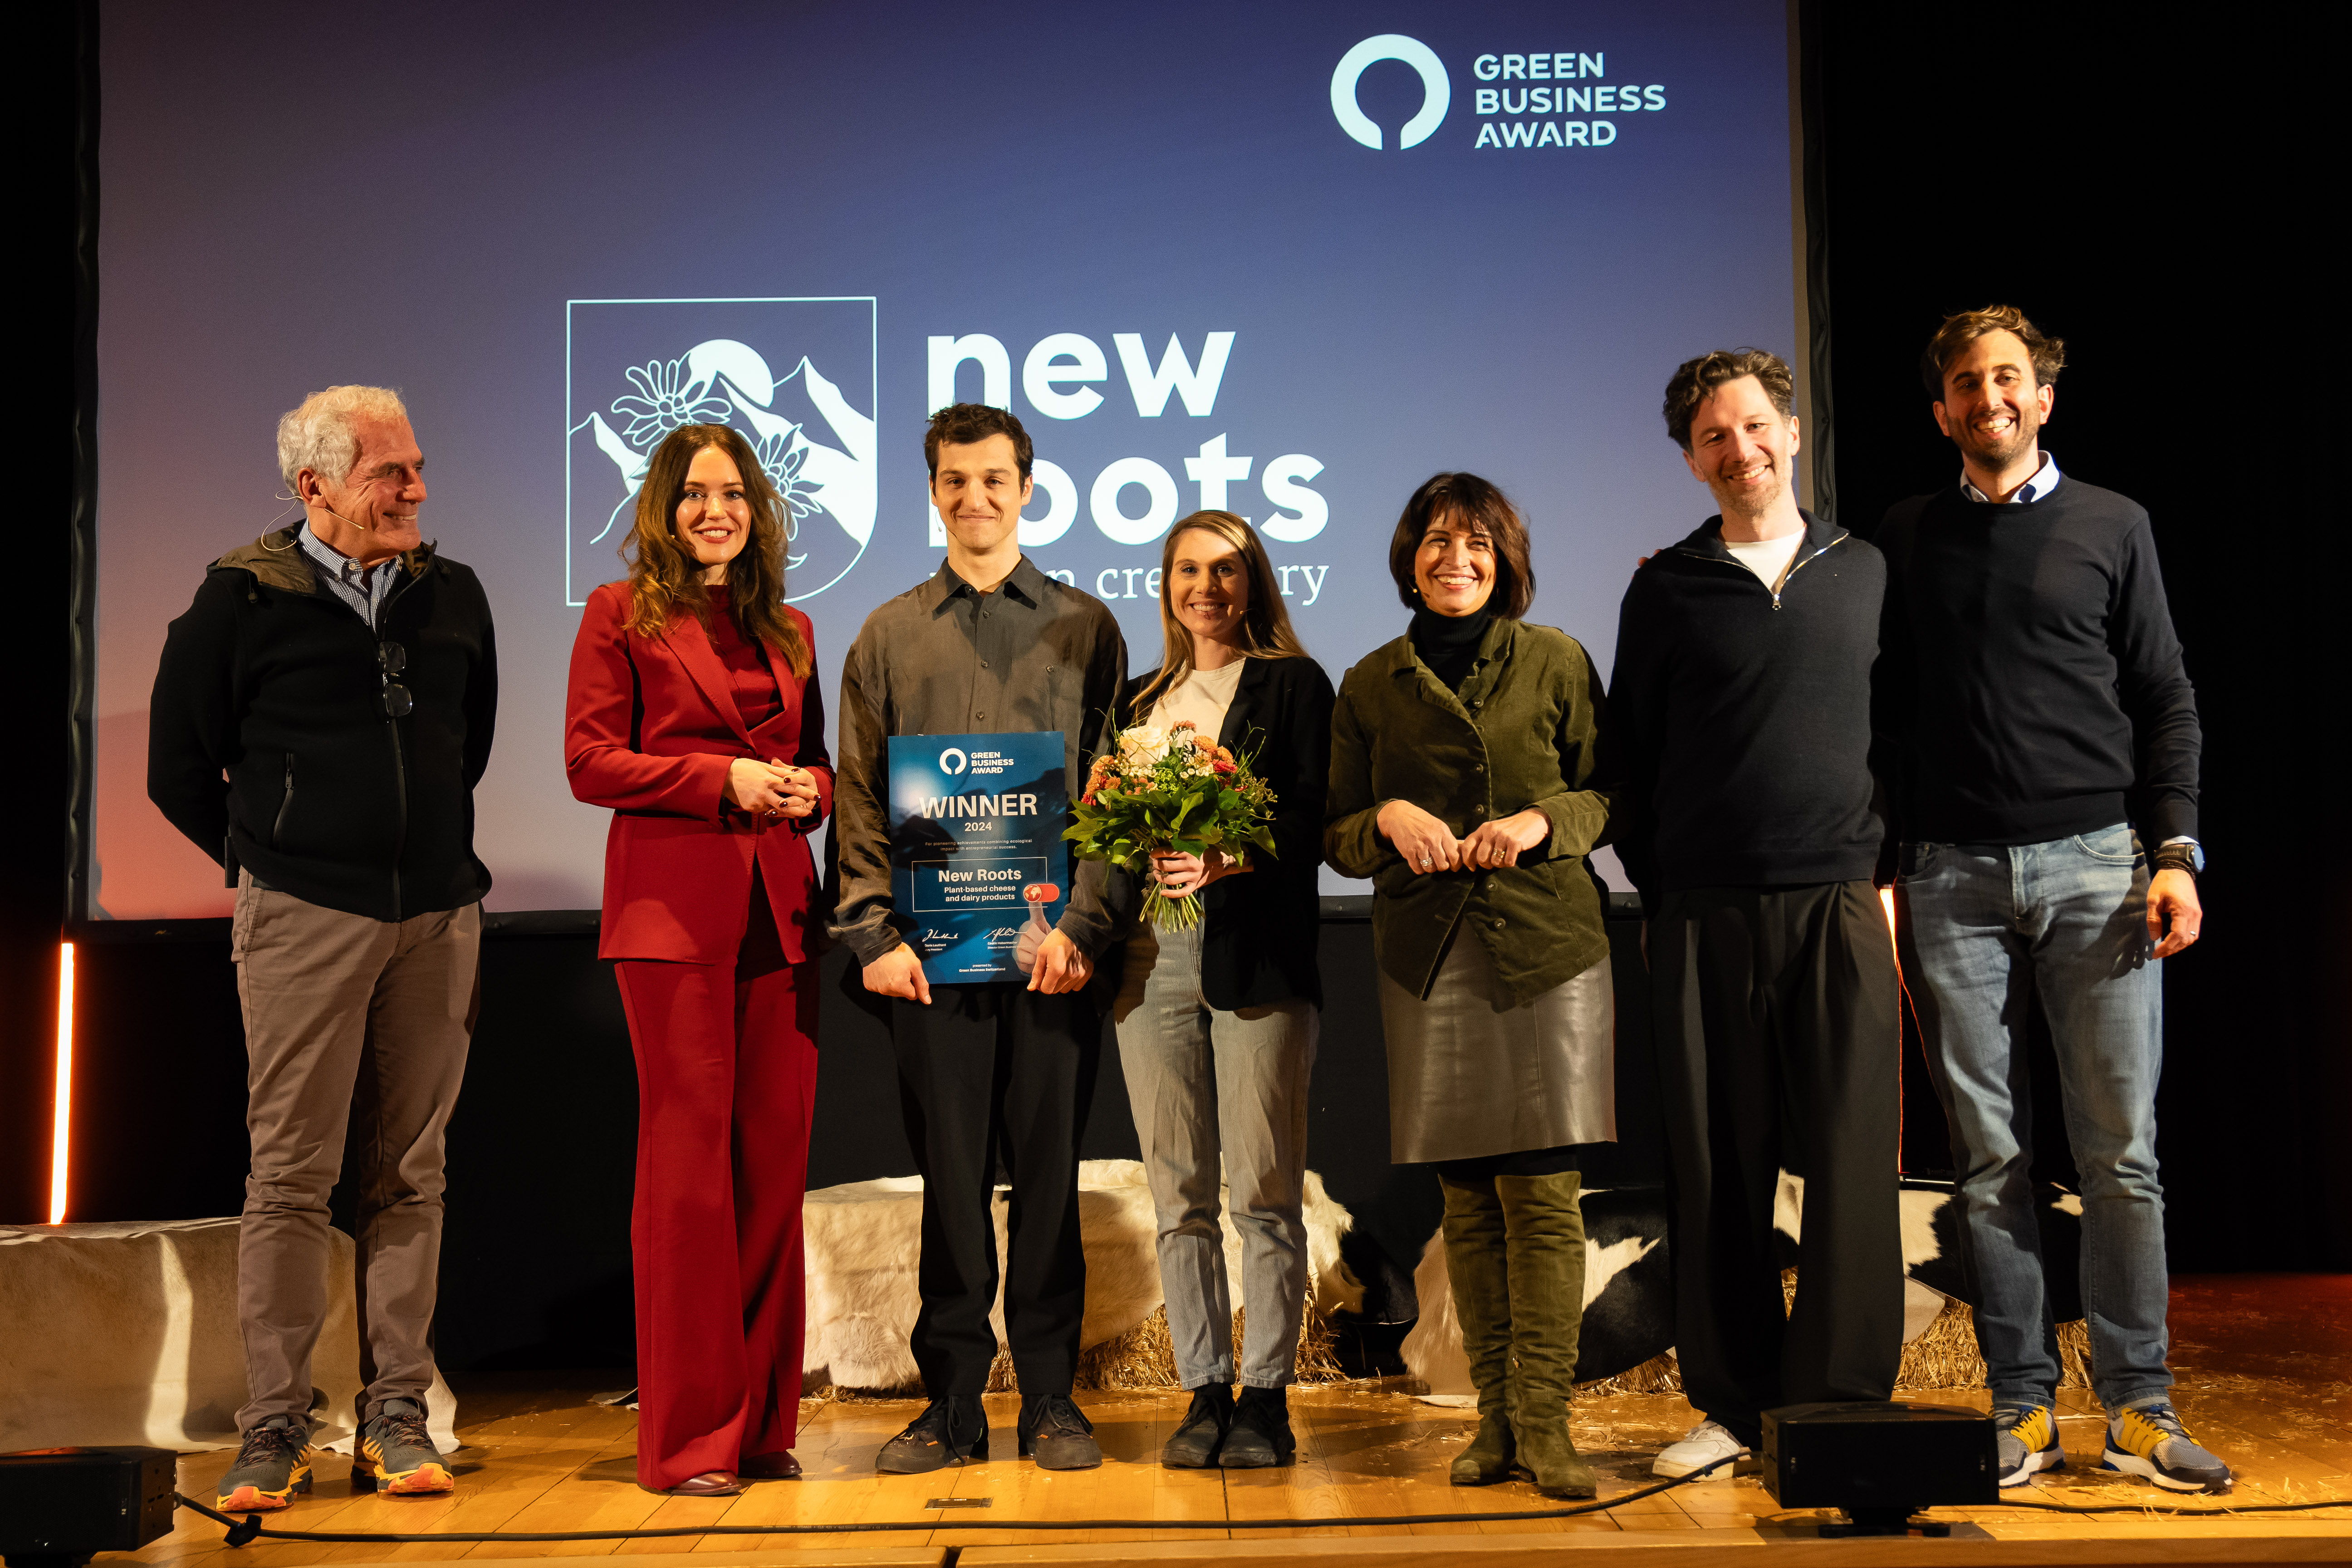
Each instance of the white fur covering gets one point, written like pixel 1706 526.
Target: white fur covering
pixel 863 1241
pixel 127 1333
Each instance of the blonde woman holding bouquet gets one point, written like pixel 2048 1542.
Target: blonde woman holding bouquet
pixel 1466 783
pixel 1217 1020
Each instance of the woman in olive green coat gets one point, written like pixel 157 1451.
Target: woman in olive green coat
pixel 1466 783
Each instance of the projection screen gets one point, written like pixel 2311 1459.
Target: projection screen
pixel 1287 259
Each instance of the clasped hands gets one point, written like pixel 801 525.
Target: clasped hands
pixel 770 789
pixel 1429 846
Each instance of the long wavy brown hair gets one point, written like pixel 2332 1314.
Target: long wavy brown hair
pixel 665 579
pixel 1266 624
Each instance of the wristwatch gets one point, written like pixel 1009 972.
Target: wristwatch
pixel 2179 854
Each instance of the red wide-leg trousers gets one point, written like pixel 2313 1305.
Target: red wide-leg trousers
pixel 726 1081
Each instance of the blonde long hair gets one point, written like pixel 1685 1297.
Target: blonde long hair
pixel 1266 624
pixel 665 579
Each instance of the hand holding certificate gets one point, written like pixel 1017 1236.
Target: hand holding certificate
pixel 975 846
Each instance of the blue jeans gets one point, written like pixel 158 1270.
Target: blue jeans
pixel 1986 927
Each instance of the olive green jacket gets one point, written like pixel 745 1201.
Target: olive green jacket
pixel 1526 730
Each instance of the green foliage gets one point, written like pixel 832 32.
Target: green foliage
pixel 1153 795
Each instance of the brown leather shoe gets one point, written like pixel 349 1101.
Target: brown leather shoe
pixel 768 1468
pixel 710 1483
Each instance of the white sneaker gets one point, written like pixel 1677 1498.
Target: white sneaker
pixel 1702 1445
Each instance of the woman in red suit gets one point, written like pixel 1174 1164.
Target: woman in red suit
pixel 695 714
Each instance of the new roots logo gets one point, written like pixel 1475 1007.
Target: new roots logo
pixel 1519 112
pixel 1436 88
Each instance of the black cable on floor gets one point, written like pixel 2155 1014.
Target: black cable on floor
pixel 250 1528
pixel 2173 1512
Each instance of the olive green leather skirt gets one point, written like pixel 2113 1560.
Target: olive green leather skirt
pixel 1471 1075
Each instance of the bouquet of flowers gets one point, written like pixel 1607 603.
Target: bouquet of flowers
pixel 1175 790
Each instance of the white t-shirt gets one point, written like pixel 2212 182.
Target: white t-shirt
pixel 1768 558
pixel 1200 698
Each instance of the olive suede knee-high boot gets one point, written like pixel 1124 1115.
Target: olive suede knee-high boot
pixel 1474 1263
pixel 1543 1227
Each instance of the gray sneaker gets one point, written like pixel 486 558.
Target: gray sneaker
pixel 272 1468
pixel 2148 1440
pixel 395 1454
pixel 2028 1439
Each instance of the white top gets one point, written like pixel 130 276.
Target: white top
pixel 2044 481
pixel 1200 699
pixel 1768 558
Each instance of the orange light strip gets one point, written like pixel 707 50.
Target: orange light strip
pixel 61 1128
pixel 1886 902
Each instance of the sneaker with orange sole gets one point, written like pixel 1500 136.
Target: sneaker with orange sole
pixel 272 1468
pixel 395 1454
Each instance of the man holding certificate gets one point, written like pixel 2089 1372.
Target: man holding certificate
pixel 956 699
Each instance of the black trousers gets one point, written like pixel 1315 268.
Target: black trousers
pixel 988 1076
pixel 1778 1037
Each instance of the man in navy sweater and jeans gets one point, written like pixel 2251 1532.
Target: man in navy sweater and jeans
pixel 2048 812
pixel 1742 696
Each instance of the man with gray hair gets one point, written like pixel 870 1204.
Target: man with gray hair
pixel 321 714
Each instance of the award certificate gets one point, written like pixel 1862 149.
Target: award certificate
pixel 977 858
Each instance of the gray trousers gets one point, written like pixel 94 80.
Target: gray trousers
pixel 360 1026
pixel 1211 1087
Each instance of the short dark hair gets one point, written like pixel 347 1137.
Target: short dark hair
pixel 961 424
pixel 1479 505
pixel 1695 381
pixel 1952 338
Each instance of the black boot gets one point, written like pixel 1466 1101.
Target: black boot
pixel 1195 1445
pixel 1260 1435
pixel 949 1429
pixel 1057 1434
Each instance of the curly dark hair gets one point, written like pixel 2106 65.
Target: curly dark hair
pixel 961 424
pixel 1952 338
pixel 1696 380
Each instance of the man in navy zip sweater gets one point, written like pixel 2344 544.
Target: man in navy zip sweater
pixel 1742 690
pixel 2036 690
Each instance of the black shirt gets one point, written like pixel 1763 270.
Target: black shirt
pixel 2032 679
pixel 1744 716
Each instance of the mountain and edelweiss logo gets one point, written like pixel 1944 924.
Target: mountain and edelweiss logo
pixel 816 448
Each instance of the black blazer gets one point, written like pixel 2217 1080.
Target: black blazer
pixel 1259 929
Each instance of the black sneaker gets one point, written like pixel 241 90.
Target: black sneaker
pixel 272 1468
pixel 1261 1432
pixel 1195 1445
pixel 949 1429
pixel 394 1454
pixel 1056 1435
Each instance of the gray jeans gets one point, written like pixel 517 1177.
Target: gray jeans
pixel 1210 1086
pixel 360 1026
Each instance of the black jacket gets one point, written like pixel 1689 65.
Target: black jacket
pixel 274 680
pixel 1259 929
pixel 2032 677
pixel 1744 717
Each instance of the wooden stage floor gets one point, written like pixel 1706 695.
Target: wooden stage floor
pixel 2266 1378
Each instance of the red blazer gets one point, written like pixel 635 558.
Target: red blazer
pixel 650 726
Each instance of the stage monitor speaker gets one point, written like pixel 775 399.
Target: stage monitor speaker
pixel 58 1506
pixel 1881 1462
